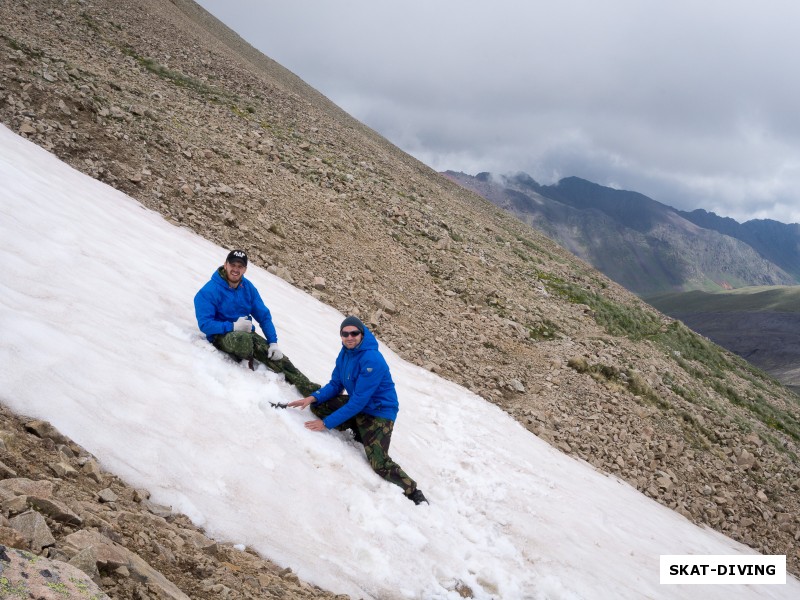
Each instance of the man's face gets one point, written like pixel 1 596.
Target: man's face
pixel 234 271
pixel 349 340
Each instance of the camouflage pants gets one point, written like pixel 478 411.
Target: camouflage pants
pixel 376 435
pixel 243 345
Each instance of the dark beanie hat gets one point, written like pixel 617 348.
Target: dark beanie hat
pixel 353 322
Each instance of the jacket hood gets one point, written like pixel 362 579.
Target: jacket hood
pixel 219 277
pixel 368 343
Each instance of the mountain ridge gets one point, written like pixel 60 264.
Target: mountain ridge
pixel 776 241
pixel 646 246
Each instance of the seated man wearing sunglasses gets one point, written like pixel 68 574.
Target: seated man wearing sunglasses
pixel 370 406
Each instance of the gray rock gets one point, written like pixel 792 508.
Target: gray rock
pixel 92 469
pixel 107 495
pixel 86 561
pixel 55 509
pixel 43 429
pixel 26 575
pixel 32 526
pixel 22 486
pixel 63 469
pixel 6 471
pixel 111 556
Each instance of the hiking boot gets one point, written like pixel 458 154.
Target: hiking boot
pixel 418 497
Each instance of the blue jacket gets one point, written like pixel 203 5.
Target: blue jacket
pixel 217 305
pixel 363 372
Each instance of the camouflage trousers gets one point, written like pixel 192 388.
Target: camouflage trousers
pixel 244 345
pixel 376 435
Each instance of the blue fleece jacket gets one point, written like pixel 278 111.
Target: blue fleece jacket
pixel 364 374
pixel 217 305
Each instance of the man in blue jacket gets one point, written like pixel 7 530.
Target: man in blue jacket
pixel 225 308
pixel 370 406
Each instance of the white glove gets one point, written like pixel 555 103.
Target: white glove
pixel 243 324
pixel 274 353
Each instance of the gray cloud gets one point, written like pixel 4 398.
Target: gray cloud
pixel 691 103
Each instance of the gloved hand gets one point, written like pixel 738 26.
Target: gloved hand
pixel 243 324
pixel 274 353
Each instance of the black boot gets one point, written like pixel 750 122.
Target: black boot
pixel 417 497
pixel 357 436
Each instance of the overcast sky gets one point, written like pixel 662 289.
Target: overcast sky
pixel 694 104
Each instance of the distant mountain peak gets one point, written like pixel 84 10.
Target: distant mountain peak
pixel 645 245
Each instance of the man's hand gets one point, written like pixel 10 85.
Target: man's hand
pixel 243 324
pixel 316 425
pixel 302 403
pixel 274 353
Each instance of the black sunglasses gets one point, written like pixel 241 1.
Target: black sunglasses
pixel 345 334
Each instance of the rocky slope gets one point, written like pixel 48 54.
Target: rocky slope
pixel 159 100
pixel 58 503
